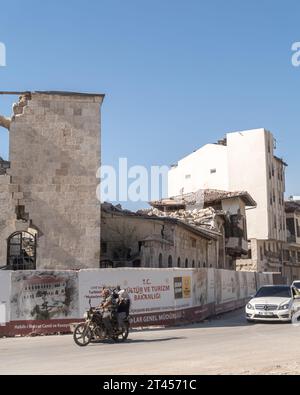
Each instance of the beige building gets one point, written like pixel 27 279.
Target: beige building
pixel 49 212
pixel 291 268
pixel 220 211
pixel 243 161
pixel 142 240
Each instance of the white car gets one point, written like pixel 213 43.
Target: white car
pixel 272 303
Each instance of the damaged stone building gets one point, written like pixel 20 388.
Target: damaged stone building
pixel 143 239
pixel 220 211
pixel 178 232
pixel 291 253
pixel 49 212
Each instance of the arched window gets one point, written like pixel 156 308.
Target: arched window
pixel 136 263
pixel 186 263
pixel 21 251
pixel 178 262
pixel 170 261
pixel 160 261
pixel 193 264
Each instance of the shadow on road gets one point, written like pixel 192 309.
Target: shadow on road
pixel 154 340
pixel 107 341
pixel 230 319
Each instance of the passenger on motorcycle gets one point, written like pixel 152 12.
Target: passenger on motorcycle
pixel 123 302
pixel 108 305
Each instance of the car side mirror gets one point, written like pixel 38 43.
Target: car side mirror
pixel 251 296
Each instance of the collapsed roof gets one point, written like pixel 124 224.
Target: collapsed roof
pixel 205 196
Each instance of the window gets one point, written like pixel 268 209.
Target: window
pixel 261 254
pixel 193 242
pixel 160 261
pixel 103 247
pixel 193 264
pixel 170 262
pixel 298 228
pixel 21 251
pixel 178 262
pixel 186 263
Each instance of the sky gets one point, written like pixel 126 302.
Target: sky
pixel 176 74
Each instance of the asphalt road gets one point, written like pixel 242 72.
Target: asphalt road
pixel 223 345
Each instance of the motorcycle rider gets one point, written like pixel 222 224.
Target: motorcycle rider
pixel 108 305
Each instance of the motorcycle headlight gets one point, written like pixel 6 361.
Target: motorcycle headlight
pixel 284 307
pixel 250 307
pixel 85 315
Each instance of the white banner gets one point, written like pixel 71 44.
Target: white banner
pixel 150 290
pixel 42 299
pixel 5 286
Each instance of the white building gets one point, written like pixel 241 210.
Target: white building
pixel 243 161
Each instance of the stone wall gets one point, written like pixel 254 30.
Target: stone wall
pixel 55 153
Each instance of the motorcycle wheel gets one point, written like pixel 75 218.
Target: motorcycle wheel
pixel 82 335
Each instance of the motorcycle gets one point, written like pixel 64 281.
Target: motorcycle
pixel 93 329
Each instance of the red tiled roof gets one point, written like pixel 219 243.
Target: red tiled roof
pixel 209 196
pixel 44 280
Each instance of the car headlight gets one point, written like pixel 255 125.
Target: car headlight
pixel 284 307
pixel 250 307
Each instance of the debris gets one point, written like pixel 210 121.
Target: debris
pixel 5 122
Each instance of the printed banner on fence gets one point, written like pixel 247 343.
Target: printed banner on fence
pixel 48 301
pixel 5 285
pixel 44 295
pixel 151 291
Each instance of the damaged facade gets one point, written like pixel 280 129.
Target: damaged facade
pixel 178 232
pixel 49 212
pixel 148 240
pixel 220 211
pixel 291 254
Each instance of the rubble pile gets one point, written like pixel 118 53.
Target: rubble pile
pixel 195 217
